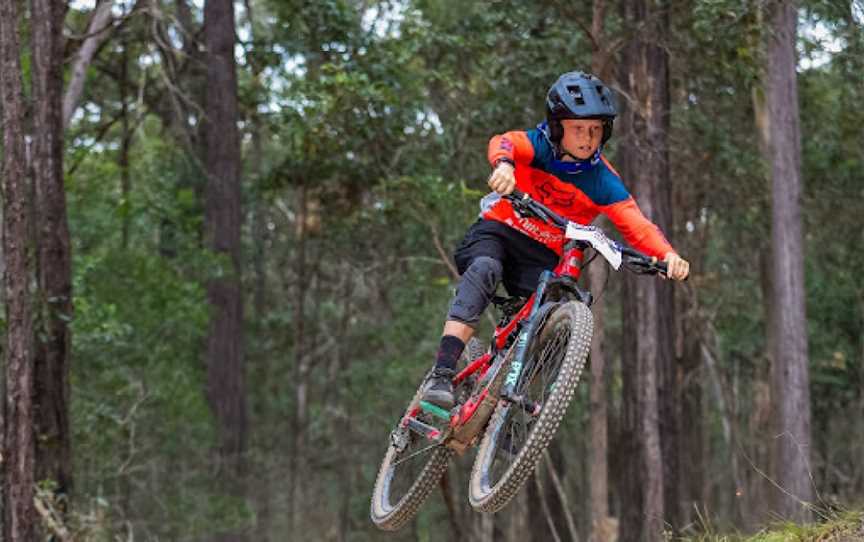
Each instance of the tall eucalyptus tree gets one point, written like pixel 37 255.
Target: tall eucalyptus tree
pixel 19 515
pixel 54 260
pixel 790 385
pixel 647 319
pixel 226 381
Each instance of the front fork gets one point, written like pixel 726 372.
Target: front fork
pixel 529 329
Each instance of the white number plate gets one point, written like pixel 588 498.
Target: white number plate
pixel 597 239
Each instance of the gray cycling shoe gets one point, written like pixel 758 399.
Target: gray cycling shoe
pixel 438 388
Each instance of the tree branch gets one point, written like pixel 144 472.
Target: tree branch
pixel 98 31
pixel 544 504
pixel 562 495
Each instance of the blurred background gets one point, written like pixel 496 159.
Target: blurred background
pixel 262 200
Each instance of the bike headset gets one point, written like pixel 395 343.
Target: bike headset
pixel 576 95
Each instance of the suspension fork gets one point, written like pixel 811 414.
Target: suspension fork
pixel 529 329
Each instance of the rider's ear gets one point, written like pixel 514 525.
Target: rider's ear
pixel 556 131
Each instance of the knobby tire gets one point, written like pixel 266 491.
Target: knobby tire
pixel 490 492
pixel 391 517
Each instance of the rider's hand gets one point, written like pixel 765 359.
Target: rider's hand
pixel 677 267
pixel 502 179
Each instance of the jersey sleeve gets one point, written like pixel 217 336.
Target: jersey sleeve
pixel 514 146
pixel 638 231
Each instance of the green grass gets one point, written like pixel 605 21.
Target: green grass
pixel 843 527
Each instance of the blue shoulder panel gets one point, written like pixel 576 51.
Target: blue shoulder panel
pixel 609 188
pixel 542 148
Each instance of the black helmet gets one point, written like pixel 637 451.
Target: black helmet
pixel 578 95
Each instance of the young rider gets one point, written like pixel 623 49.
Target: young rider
pixel 559 163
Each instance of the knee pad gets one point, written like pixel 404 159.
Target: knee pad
pixel 475 290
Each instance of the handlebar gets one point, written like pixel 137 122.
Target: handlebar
pixel 634 260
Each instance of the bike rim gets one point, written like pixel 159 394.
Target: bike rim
pixel 514 427
pixel 405 467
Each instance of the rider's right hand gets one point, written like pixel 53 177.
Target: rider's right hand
pixel 502 179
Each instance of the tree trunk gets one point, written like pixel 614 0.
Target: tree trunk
pixel 693 432
pixel 261 365
pixel 668 389
pixel 599 469
pixel 226 385
pixel 125 143
pixel 790 378
pixel 599 422
pixel 334 395
pixel 646 170
pixel 18 416
pixel 54 262
pixel 668 393
pixel 301 369
pixel 759 490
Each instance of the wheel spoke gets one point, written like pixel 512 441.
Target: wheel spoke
pixel 536 385
pixel 414 454
pixel 552 369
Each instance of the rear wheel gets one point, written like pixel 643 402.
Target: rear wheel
pixel 515 438
pixel 412 465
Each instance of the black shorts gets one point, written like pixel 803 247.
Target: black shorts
pixel 523 258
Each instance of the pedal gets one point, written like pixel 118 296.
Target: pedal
pixel 434 410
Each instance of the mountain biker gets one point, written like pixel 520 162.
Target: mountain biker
pixel 559 163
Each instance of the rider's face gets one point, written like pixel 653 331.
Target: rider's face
pixel 582 137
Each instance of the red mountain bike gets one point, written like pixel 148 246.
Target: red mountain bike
pixel 512 397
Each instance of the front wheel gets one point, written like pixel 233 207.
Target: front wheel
pixel 515 438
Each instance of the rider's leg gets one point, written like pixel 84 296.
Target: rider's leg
pixel 458 329
pixel 473 294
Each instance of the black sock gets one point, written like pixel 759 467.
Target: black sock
pixel 448 352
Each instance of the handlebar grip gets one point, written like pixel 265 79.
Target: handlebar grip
pixel 645 263
pixel 663 267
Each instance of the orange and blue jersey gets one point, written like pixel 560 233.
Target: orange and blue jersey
pixel 579 196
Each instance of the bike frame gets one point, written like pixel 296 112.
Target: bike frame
pixel 464 422
pixel 503 378
pixel 526 322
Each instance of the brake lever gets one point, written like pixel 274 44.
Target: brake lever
pixel 641 266
pixel 524 210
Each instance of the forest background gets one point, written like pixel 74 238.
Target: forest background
pixel 261 200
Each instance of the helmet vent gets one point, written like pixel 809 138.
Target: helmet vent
pixel 576 92
pixel 603 97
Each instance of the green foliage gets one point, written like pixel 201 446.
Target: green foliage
pixel 844 526
pixel 137 374
pixel 382 119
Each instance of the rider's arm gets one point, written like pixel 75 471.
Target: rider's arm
pixel 638 231
pixel 615 202
pixel 514 147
